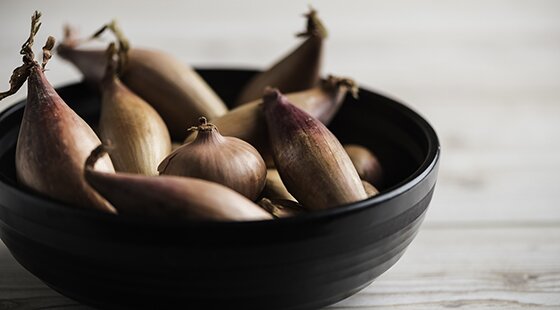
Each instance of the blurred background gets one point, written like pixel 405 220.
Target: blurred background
pixel 486 74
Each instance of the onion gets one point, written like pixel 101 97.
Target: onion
pixel 170 197
pixel 53 140
pixel 173 88
pixel 297 71
pixel 213 157
pixel 274 188
pixel 370 189
pixel 248 124
pixel 366 163
pixel 311 161
pixel 279 208
pixel 139 136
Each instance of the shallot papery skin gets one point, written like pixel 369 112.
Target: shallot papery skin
pixel 310 160
pixel 299 70
pixel 52 146
pixel 172 87
pixel 226 160
pixel 171 197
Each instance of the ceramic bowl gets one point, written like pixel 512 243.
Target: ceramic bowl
pixel 304 262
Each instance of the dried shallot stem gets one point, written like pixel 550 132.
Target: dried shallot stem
pixel 21 73
pixel 122 42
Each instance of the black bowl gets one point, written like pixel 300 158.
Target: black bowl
pixel 304 262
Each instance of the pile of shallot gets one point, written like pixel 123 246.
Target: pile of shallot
pixel 166 146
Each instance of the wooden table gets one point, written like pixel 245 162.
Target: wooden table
pixel 485 73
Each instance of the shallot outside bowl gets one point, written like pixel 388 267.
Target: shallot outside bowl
pixel 304 262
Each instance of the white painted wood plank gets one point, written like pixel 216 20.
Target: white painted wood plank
pixel 465 47
pixel 472 267
pixel 496 186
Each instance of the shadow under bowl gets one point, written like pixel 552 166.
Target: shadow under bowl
pixel 304 262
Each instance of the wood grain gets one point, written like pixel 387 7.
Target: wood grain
pixel 472 267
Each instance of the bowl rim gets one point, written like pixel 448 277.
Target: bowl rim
pixel 429 163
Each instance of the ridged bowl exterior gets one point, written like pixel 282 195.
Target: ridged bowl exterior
pixel 305 262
